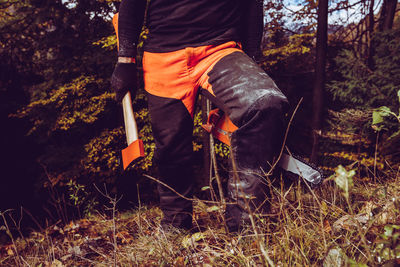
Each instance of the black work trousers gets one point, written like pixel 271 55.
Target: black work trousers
pixel 245 93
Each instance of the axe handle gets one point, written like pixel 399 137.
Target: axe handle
pixel 129 120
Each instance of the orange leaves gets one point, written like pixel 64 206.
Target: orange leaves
pixel 124 237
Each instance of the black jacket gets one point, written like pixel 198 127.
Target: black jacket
pixel 176 24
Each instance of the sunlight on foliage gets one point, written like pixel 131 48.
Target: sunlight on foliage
pixel 108 43
pixel 361 158
pixel 298 44
pixel 68 106
pixel 102 158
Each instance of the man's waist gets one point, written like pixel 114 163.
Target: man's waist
pixel 160 43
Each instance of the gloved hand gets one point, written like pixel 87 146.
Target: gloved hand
pixel 124 79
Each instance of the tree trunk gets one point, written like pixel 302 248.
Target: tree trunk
pixel 387 15
pixel 371 24
pixel 319 85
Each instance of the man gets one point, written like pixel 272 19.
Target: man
pixel 192 47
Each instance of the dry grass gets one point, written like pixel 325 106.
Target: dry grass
pixel 302 228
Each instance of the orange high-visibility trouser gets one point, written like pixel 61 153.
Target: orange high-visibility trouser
pixel 237 85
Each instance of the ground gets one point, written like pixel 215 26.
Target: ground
pixel 328 225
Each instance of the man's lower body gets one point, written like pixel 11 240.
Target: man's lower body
pixel 244 92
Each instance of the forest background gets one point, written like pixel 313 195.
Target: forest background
pixel 62 130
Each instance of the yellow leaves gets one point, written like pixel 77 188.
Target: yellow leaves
pixel 295 45
pixel 84 110
pixel 347 138
pixel 196 146
pixel 221 150
pixel 68 105
pixel 361 158
pixel 298 45
pixel 124 237
pixel 108 43
pixel 102 157
pixel 287 50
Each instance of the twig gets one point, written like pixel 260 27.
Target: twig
pixel 376 153
pixel 179 194
pixel 285 137
pixel 214 165
pixel 17 226
pixel 113 202
pixel 33 219
pixel 259 241
pixel 140 208
pixel 8 231
pixel 217 177
pixel 55 197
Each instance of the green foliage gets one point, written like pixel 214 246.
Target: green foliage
pixel 59 56
pixel 382 119
pixel 297 45
pixel 102 157
pixel 374 89
pixel 379 115
pixel 108 42
pixel 70 105
pixel 80 198
pixel 387 247
pixel 370 88
pixel 283 46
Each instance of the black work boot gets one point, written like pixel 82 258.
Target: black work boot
pixel 177 210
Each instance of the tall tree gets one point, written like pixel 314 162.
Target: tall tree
pixel 371 24
pixel 387 15
pixel 319 85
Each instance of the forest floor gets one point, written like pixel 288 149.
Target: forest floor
pixel 351 219
pixel 346 221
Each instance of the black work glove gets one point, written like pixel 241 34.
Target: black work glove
pixel 123 80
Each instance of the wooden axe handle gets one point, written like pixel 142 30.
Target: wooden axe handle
pixel 129 119
pixel 135 147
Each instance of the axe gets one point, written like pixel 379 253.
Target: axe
pixel 135 147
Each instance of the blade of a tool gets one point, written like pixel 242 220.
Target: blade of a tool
pixel 301 168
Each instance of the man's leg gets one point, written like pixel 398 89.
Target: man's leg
pixel 172 128
pixel 257 107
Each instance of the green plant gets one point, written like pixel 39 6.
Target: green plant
pixel 373 90
pixel 384 119
pixel 359 85
pixel 81 198
pixel 387 246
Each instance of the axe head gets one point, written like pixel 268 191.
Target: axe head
pixel 134 151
